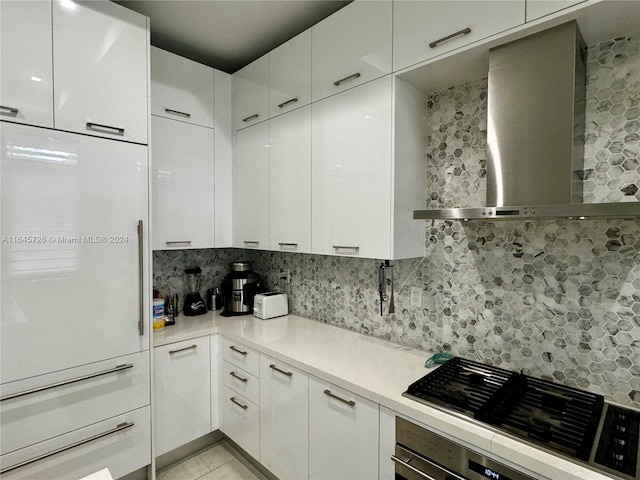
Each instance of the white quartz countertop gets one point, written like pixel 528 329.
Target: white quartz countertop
pixel 374 368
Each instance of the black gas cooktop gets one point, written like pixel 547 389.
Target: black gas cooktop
pixel 565 420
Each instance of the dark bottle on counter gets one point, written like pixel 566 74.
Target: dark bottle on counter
pixel 218 299
pixel 210 299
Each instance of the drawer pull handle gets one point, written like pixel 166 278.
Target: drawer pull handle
pixel 448 473
pixel 251 242
pixel 464 31
pixel 105 128
pixel 192 347
pixel 351 403
pixel 233 399
pixel 355 248
pixel 178 242
pixel 288 102
pixel 177 112
pixel 273 367
pixel 235 375
pixel 250 117
pixel 337 83
pixel 9 111
pixel 118 368
pixel 141 276
pixel 236 349
pixel 118 428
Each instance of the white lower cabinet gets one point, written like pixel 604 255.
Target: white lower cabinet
pixel 241 421
pixel 284 419
pixel 343 433
pixel 182 393
pixel 121 443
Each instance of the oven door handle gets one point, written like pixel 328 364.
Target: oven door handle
pixel 450 475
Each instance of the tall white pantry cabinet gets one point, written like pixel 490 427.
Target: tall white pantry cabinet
pixel 74 171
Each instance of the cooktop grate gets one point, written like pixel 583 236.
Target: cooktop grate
pixel 461 384
pixel 560 418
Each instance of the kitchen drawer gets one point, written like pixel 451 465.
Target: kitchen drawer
pixel 242 382
pixel 241 421
pixel 43 407
pixel 241 356
pixel 122 443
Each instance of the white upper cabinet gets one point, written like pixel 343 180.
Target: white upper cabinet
pixel 351 172
pixel 290 75
pixel 181 89
pixel 252 93
pixel 100 54
pixel 425 29
pixel 26 71
pixel 183 185
pixel 290 181
pixel 540 8
pixel 364 187
pixel 351 47
pixel 252 187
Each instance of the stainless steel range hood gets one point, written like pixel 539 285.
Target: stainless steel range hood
pixel 535 127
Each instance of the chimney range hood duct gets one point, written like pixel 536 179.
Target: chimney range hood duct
pixel 535 124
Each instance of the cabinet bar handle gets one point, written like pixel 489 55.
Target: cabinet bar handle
pixel 288 102
pixel 9 110
pixel 118 368
pixel 464 31
pixel 448 473
pixel 141 276
pixel 118 428
pixel 273 367
pixel 250 117
pixel 105 128
pixel 177 112
pixel 233 399
pixel 236 349
pixel 284 244
pixel 351 403
pixel 337 83
pixel 192 347
pixel 251 242
pixel 179 242
pixel 346 247
pixel 235 375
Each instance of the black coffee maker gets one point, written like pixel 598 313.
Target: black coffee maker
pixel 193 302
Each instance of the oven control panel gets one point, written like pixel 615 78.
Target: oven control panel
pixel 618 445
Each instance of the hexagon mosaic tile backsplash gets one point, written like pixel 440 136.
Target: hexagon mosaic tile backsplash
pixel 558 299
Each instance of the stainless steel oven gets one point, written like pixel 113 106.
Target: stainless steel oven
pixel 424 455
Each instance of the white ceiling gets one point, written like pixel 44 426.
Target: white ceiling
pixel 228 34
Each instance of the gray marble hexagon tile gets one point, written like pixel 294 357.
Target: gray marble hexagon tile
pixel 612 130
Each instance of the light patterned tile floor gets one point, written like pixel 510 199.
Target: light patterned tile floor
pixel 217 462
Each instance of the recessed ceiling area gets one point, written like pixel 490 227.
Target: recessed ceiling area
pixel 229 34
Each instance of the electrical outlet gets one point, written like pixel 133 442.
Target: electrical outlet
pixel 416 297
pixel 286 276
